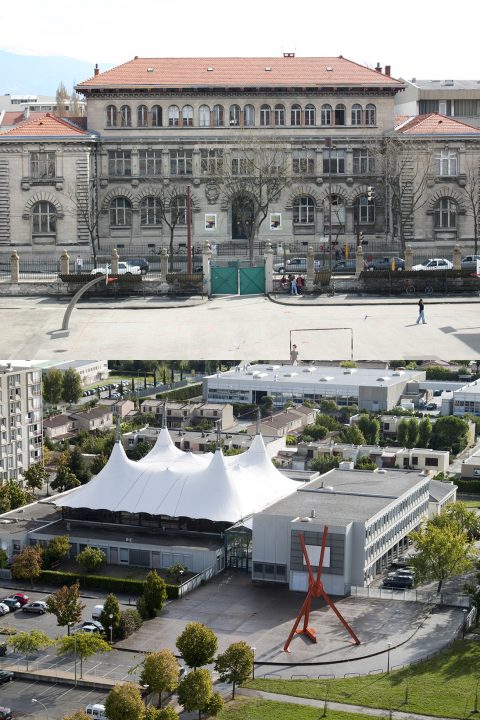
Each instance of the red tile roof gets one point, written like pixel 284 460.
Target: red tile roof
pixel 45 125
pixel 11 117
pixel 239 72
pixel 435 124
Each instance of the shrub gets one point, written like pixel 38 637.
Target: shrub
pixel 91 558
pixel 130 621
pixel 100 582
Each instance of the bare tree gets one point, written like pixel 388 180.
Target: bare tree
pixel 173 210
pixel 88 211
pixel 472 194
pixel 61 100
pixel 255 178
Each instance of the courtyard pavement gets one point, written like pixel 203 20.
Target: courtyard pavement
pixel 237 327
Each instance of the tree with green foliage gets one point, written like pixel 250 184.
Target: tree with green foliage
pixel 442 551
pixel 91 558
pixel 449 433
pixel 29 642
pixel 52 386
pixel 98 463
pixel 130 621
pixel 327 421
pixel 166 713
pixel 402 433
pixel 352 435
pixel 35 476
pixel 197 644
pixel 365 462
pixel 58 548
pixel 370 428
pixel 176 571
pixel 27 565
pixel 424 432
pixel 323 464
pixel 78 466
pixel 77 715
pixel 214 705
pixel 66 605
pixel 328 406
pixel 111 607
pixel 3 559
pixel 138 451
pixel 314 432
pixel 462 517
pixel 64 479
pixel 160 671
pixel 235 665
pixel 195 690
pixel 82 645
pixel 412 432
pixel 154 594
pixel 13 496
pixel 124 702
pixel 72 386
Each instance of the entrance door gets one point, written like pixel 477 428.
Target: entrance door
pixel 242 217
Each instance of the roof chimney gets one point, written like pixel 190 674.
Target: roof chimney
pixel 388 70
pixel 26 113
pixel 288 54
pixel 96 70
pixel 378 68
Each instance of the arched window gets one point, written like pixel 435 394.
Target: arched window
pixel 310 115
pixel 178 210
pixel 125 116
pixel 111 116
pixel 150 211
pixel 279 115
pixel 446 214
pixel 187 116
pixel 370 115
pixel 142 116
pixel 340 114
pixel 364 210
pixel 156 116
pixel 326 114
pixel 295 115
pixel 44 219
pixel 356 114
pixel 249 116
pixel 304 210
pixel 218 116
pixel 234 116
pixel 120 212
pixel 265 115
pixel 338 211
pixel 173 116
pixel 204 116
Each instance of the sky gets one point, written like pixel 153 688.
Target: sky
pixel 426 39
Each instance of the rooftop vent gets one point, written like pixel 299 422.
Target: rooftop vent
pixel 290 374
pixel 398 373
pixel 288 54
pixel 448 83
pixel 326 378
pixel 309 370
pixel 150 69
pixel 313 514
pixel 329 69
pixel 382 379
pixel 304 519
pixel 268 69
pixel 209 69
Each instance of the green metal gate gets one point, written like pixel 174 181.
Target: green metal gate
pixel 224 280
pixel 252 280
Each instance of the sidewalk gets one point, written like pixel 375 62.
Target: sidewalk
pixel 346 299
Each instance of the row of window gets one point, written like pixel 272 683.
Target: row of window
pixel 236 116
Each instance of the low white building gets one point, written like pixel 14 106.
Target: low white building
pixel 467 399
pixel 90 371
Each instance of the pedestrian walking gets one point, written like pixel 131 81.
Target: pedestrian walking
pixel 421 312
pixel 293 285
pixel 294 355
pixel 299 282
pixel 79 264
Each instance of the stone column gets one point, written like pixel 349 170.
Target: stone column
pixel 310 279
pixel 115 261
pixel 64 263
pixel 268 255
pixel 408 257
pixel 14 267
pixel 457 257
pixel 359 261
pixel 164 263
pixel 206 266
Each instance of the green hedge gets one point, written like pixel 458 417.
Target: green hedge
pixel 184 393
pixel 467 486
pixel 100 582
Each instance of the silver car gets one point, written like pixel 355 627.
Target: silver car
pixel 124 268
pixel 434 264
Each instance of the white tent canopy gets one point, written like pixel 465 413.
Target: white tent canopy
pixel 174 483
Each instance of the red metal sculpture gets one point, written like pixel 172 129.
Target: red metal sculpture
pixel 315 589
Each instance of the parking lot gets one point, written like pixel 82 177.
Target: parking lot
pixel 59 700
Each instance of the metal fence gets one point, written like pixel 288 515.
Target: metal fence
pixel 196 581
pixel 420 596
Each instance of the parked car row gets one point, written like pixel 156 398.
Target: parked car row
pixel 400 579
pixel 103 388
pixel 387 262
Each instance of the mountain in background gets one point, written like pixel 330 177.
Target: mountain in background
pixel 40 75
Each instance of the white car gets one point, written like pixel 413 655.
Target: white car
pixel 4 609
pixel 124 268
pixel 434 264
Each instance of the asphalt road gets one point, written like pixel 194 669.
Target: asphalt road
pixel 59 700
pixel 237 327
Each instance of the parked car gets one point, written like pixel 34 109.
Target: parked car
pixel 434 264
pixel 431 406
pixel 4 609
pixel 403 573
pixel 385 263
pixel 96 711
pixel 87 628
pixel 296 265
pixel 97 611
pixel 437 393
pixel 5 713
pixel 124 268
pixel 94 623
pixel 12 603
pixel 38 606
pixel 6 676
pixel 348 265
pixel 22 598
pixel 398 583
pixel 470 261
pixel 142 263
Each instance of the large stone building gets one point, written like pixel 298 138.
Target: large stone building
pixel 178 132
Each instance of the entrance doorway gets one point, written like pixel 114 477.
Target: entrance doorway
pixel 242 217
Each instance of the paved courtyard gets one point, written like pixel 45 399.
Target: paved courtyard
pixel 239 327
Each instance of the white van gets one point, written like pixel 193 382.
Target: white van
pixel 97 711
pixel 96 612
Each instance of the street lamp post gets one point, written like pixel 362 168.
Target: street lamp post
pixel 34 700
pixel 253 662
pixel 388 657
pixel 111 628
pixel 74 650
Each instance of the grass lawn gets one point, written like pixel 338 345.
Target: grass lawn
pixel 443 686
pixel 247 709
pixel 472 503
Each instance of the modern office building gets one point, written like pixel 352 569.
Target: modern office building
pixel 368 388
pixel 20 420
pixel 90 371
pixel 467 399
pixel 454 98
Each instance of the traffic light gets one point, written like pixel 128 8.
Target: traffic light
pixel 371 193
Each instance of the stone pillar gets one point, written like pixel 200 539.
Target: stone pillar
pixel 268 255
pixel 359 261
pixel 408 257
pixel 64 263
pixel 14 267
pixel 115 259
pixel 310 279
pixel 457 257
pixel 164 263
pixel 206 267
